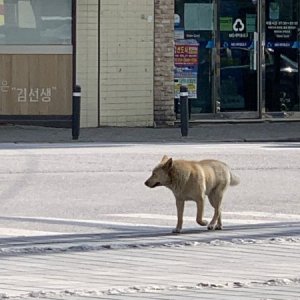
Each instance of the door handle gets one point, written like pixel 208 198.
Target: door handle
pixel 255 47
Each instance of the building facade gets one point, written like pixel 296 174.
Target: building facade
pixel 238 58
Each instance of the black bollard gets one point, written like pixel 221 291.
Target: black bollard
pixel 184 110
pixel 76 112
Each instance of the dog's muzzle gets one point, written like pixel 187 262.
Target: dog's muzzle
pixel 147 183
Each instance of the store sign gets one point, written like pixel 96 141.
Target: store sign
pixel 186 67
pixel 45 90
pixel 236 32
pixel 238 29
pixel 32 95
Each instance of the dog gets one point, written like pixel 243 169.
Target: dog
pixel 193 180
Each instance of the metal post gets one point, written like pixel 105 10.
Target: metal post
pixel 76 112
pixel 184 111
pixel 261 76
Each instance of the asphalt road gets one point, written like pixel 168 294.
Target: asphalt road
pixel 50 188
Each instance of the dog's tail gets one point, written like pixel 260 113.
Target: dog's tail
pixel 234 180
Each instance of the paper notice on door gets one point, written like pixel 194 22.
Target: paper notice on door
pixel 226 24
pixel 274 10
pixel 198 16
pixel 251 22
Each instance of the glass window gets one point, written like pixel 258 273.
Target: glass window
pixel 35 22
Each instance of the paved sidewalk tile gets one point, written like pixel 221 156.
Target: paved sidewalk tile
pixel 223 270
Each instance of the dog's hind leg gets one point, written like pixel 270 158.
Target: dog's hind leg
pixel 200 210
pixel 219 225
pixel 180 209
pixel 215 199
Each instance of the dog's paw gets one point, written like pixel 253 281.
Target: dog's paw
pixel 211 227
pixel 218 227
pixel 176 230
pixel 202 222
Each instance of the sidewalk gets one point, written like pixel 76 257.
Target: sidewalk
pixel 241 262
pixel 217 132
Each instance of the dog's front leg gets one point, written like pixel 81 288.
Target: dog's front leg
pixel 180 209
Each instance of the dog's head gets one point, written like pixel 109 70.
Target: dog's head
pixel 160 174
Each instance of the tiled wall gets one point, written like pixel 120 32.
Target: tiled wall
pixel 87 60
pixel 126 62
pixel 129 74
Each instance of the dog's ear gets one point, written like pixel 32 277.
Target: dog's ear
pixel 168 164
pixel 164 159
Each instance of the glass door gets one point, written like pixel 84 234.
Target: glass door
pixel 194 47
pixel 282 57
pixel 238 58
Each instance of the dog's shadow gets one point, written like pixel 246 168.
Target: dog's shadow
pixel 250 231
pixel 127 236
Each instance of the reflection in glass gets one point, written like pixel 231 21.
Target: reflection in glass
pixel 36 22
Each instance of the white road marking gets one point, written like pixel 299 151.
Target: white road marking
pixel 133 220
pixel 23 232
pixel 264 215
pixel 191 219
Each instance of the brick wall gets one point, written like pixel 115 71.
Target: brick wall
pixel 126 62
pixel 164 63
pixel 87 60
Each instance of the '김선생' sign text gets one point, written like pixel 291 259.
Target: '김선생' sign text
pixel 31 95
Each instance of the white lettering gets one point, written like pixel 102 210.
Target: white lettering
pixel 46 94
pixel 22 94
pixel 34 95
pixel 4 86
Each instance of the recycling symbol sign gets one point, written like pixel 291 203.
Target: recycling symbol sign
pixel 238 25
pixel 238 29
